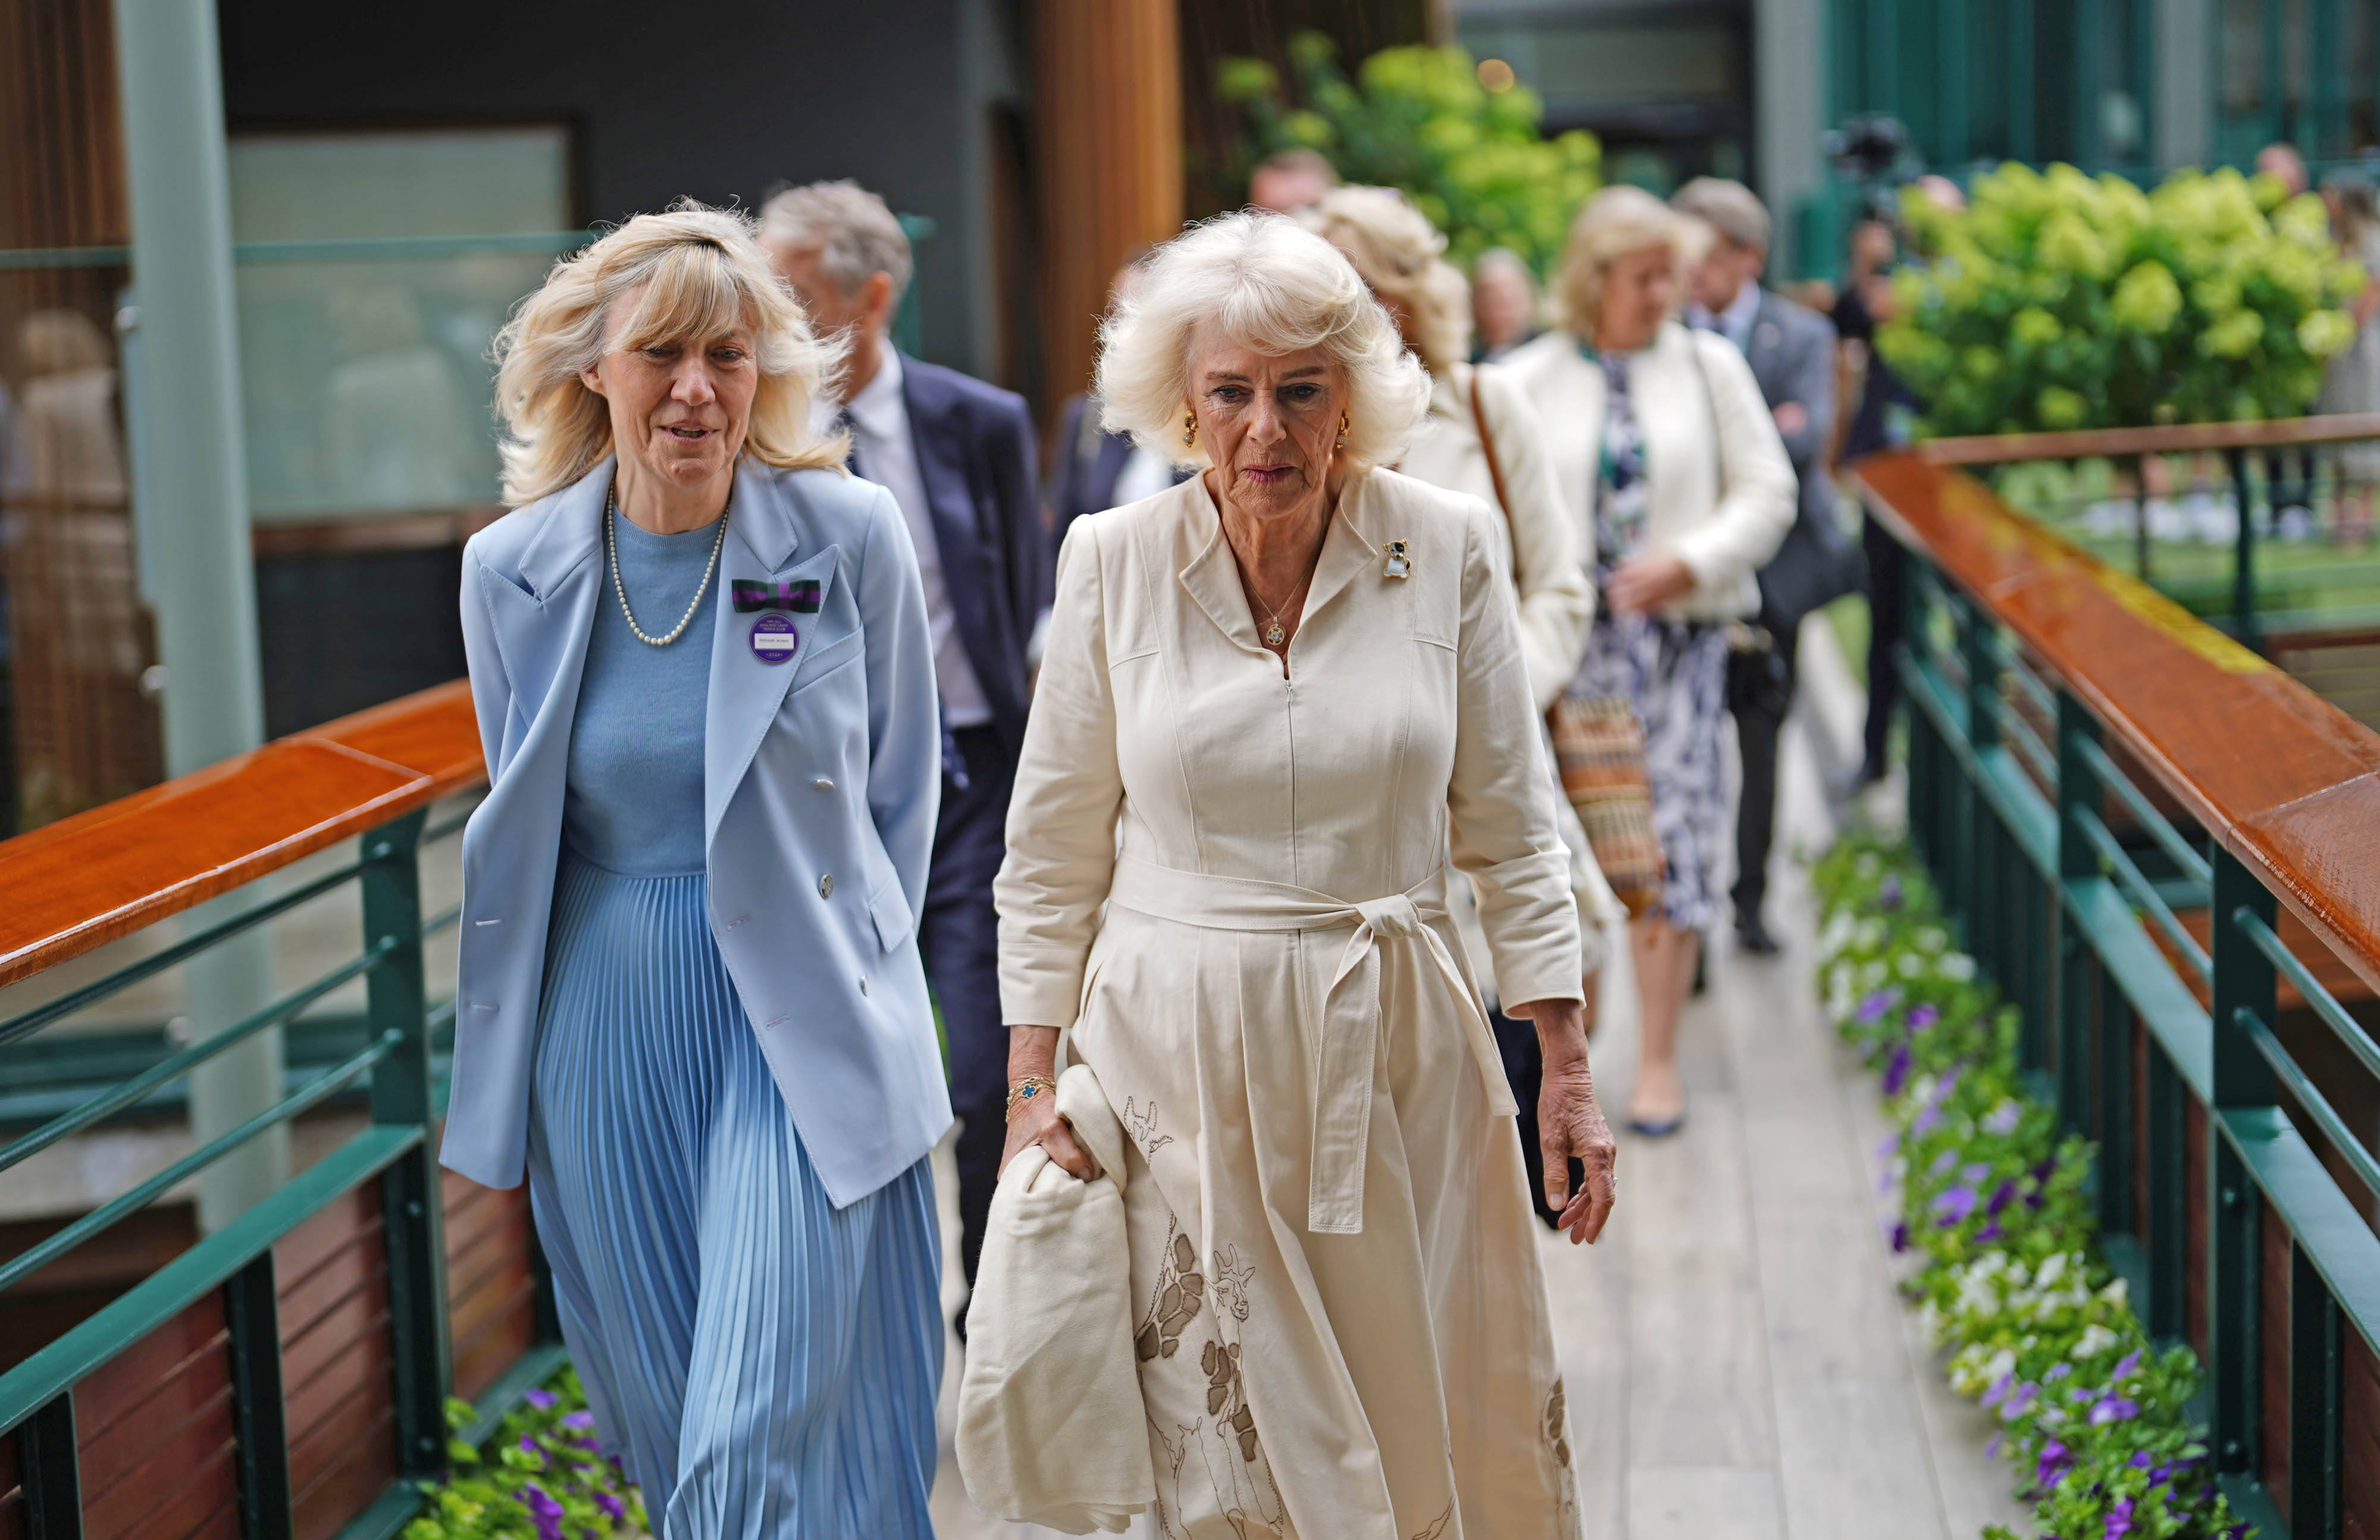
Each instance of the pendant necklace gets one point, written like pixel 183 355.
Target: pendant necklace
pixel 1274 632
pixel 611 548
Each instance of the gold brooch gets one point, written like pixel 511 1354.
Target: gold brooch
pixel 1399 566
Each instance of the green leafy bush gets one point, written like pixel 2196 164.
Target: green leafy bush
pixel 1993 1202
pixel 2056 301
pixel 1416 118
pixel 540 1477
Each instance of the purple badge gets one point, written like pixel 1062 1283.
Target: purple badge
pixel 772 638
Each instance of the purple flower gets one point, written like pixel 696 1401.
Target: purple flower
pixel 1901 1237
pixel 542 1399
pixel 2126 1366
pixel 1955 1204
pixel 581 1418
pixel 2003 1119
pixel 1942 1163
pixel 527 1444
pixel 2002 1195
pixel 544 1510
pixel 2056 1371
pixel 1895 1071
pixel 2019 1402
pixel 2120 1521
pixel 1992 1450
pixel 1923 1016
pixel 2139 1459
pixel 613 1507
pixel 1889 895
pixel 1973 1173
pixel 2113 1408
pixel 1999 1392
pixel 1926 1118
pixel 2052 1466
pixel 1991 1230
pixel 1871 1011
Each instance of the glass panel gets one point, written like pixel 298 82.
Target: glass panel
pixel 365 373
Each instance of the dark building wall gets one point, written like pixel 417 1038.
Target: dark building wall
pixel 719 102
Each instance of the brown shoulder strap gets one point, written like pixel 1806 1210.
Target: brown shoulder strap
pixel 1487 447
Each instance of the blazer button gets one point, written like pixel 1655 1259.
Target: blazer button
pixel 826 886
pixel 822 784
pixel 863 984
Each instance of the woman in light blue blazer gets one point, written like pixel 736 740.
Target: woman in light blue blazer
pixel 690 1001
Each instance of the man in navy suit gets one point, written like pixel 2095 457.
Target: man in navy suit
pixel 958 456
pixel 1096 469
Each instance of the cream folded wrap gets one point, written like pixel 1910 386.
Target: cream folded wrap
pixel 1051 1427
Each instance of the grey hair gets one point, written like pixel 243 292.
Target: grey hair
pixel 854 232
pixel 1271 284
pixel 1731 208
pixel 1396 251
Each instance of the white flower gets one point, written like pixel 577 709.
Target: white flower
pixel 2116 1294
pixel 1839 929
pixel 1933 939
pixel 1871 933
pixel 1956 966
pixel 2053 1268
pixel 2094 1340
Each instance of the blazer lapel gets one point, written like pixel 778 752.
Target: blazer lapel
pixel 945 475
pixel 542 633
pixel 763 540
pixel 1210 575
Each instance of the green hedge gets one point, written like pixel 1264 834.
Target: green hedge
pixel 1993 1202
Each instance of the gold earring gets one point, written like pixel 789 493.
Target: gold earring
pixel 1190 428
pixel 1344 423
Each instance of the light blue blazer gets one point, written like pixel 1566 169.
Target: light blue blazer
pixel 820 782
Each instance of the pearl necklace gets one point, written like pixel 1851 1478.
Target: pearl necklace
pixel 611 548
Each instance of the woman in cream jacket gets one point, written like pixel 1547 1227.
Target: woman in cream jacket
pixel 1661 441
pixel 1272 697
pixel 1396 251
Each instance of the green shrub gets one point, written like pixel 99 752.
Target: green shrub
pixel 1417 119
pixel 1993 1202
pixel 2056 301
pixel 539 1477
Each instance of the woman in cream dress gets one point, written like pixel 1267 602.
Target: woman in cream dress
pixel 1396 252
pixel 1270 695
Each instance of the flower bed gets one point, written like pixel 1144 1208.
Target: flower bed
pixel 539 1477
pixel 2012 1284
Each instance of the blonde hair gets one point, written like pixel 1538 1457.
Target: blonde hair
pixel 1396 251
pixel 1273 285
pixel 1610 224
pixel 701 275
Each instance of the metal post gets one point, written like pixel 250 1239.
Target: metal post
pixel 2313 1403
pixel 50 1470
pixel 191 484
pixel 2243 991
pixel 2244 557
pixel 1950 52
pixel 2089 71
pixel 2022 108
pixel 2168 1248
pixel 2077 789
pixel 252 1310
pixel 396 999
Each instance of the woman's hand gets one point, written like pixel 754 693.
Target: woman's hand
pixel 1569 1124
pixel 1032 1054
pixel 1645 583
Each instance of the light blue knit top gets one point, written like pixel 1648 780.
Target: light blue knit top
pixel 634 804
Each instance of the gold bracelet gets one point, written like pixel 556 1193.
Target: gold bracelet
pixel 1026 1090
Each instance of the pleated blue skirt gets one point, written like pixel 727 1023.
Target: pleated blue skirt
pixel 767 1363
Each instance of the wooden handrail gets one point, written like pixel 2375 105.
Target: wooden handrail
pixel 2185 438
pixel 89 879
pixel 2288 783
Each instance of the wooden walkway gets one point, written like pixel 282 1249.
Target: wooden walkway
pixel 1739 1366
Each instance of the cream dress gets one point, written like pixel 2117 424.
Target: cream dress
pixel 1229 884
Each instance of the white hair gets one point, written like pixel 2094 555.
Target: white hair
pixel 1397 251
pixel 854 233
pixel 1271 284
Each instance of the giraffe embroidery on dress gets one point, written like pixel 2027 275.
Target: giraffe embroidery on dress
pixel 1437 1531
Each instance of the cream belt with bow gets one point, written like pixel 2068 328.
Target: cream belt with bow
pixel 1351 1004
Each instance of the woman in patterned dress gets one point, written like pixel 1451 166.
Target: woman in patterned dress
pixel 1661 436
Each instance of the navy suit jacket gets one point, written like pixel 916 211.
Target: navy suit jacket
pixel 977 458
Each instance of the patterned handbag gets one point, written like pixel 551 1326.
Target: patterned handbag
pixel 1599 749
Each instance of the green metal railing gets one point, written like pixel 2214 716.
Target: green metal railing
pixel 2063 875
pixel 37 1398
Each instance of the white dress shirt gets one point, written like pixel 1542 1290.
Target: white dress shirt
pixel 1734 324
pixel 884 452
